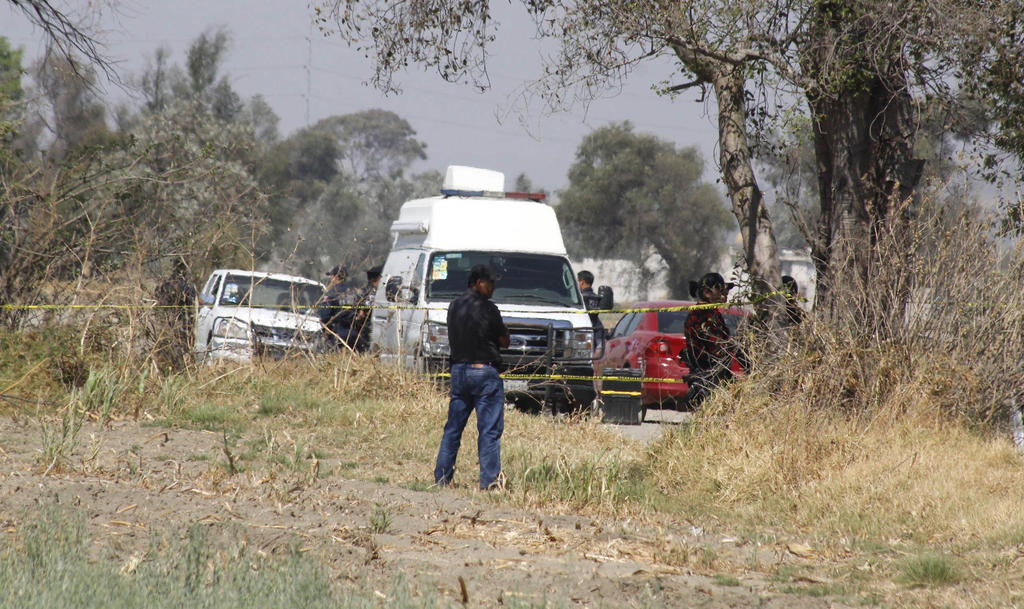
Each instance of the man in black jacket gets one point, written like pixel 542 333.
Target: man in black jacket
pixel 476 334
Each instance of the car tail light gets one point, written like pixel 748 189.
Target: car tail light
pixel 660 346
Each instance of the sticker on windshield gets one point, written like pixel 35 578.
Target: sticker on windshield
pixel 440 270
pixel 455 255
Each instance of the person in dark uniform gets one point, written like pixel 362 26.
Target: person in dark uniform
pixel 177 298
pixel 592 301
pixel 336 312
pixel 476 334
pixel 707 352
pixel 794 313
pixel 363 326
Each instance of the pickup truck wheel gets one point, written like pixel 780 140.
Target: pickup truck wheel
pixel 527 404
pixel 421 368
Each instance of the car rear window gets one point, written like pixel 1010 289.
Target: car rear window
pixel 672 322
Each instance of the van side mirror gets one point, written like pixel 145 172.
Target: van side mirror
pixel 206 300
pixel 607 297
pixel 392 287
pixel 412 295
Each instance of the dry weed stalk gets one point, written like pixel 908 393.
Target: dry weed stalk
pixel 883 416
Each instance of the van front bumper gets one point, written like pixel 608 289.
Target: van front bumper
pixel 572 382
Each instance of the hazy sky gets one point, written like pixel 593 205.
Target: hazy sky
pixel 275 52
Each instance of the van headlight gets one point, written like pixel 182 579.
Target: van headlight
pixel 229 327
pixel 435 339
pixel 581 343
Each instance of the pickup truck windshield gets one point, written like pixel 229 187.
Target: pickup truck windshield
pixel 522 278
pixel 265 293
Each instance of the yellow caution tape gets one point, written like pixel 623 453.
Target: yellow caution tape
pixel 572 377
pixel 692 307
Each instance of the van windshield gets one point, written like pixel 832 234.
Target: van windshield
pixel 265 293
pixel 522 278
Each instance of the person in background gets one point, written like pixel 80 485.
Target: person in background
pixel 707 352
pixel 592 301
pixel 363 322
pixel 337 312
pixel 176 299
pixel 476 333
pixel 794 312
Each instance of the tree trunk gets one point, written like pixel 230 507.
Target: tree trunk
pixel 863 144
pixel 760 251
pixel 863 121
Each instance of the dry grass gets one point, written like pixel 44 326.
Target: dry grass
pixel 881 445
pixel 912 478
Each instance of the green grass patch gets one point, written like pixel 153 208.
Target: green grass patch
pixel 724 580
pixel 275 400
pixel 47 564
pixel 212 417
pixel 818 590
pixel 609 480
pixel 419 485
pixel 929 569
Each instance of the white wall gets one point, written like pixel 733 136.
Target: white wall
pixel 631 286
pixel 628 283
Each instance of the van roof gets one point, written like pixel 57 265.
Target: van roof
pixel 483 223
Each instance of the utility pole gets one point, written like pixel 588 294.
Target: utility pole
pixel 309 69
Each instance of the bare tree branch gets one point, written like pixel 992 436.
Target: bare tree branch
pixel 68 37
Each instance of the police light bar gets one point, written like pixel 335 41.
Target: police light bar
pixel 532 196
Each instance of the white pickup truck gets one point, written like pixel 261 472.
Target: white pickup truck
pixel 247 313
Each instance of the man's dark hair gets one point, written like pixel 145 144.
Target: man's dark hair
pixel 373 273
pixel 789 285
pixel 480 272
pixel 709 280
pixel 585 276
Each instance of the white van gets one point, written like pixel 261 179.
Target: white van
pixel 474 221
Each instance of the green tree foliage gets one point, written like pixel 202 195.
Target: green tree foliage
pixel 378 144
pixel 72 114
pixel 861 68
pixel 161 190
pixel 786 160
pixel 10 71
pixel 192 121
pixel 190 186
pixel 631 195
pixel 337 186
pixel 179 180
pixel 10 94
pixel 193 171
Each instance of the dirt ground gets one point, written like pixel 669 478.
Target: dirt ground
pixel 135 483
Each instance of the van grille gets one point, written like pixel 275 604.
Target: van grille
pixel 527 343
pixel 272 333
pixel 284 336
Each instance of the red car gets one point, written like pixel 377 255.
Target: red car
pixel 650 342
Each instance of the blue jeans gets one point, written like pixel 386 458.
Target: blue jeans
pixel 480 389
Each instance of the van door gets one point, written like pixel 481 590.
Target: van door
pixel 413 316
pixel 390 303
pixel 204 317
